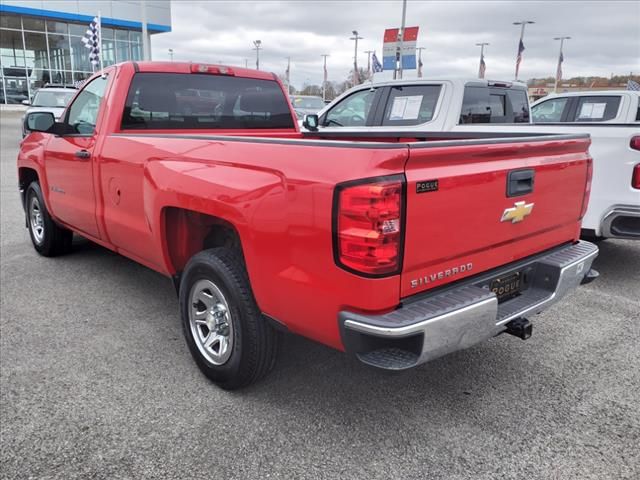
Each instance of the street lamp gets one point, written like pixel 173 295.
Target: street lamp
pixel 520 44
pixel 171 54
pixel 324 77
pixel 258 46
pixel 560 60
pixel 482 66
pixel 355 57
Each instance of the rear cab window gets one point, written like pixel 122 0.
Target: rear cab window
pixel 168 101
pixel 411 105
pixel 597 109
pixel 482 104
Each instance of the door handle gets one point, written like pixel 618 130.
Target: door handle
pixel 83 154
pixel 520 182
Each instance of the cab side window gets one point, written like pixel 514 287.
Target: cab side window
pixel 83 112
pixel 549 111
pixel 597 109
pixel 352 111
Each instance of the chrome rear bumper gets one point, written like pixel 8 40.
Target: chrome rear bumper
pixel 622 221
pixel 434 324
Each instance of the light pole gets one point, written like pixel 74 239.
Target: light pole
pixel 258 46
pixel 482 66
pixel 560 60
pixel 368 52
pixel 171 54
pixel 520 44
pixel 356 77
pixel 400 41
pixel 324 77
pixel 288 72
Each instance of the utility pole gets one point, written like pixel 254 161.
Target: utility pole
pixel 560 60
pixel 520 44
pixel 356 76
pixel 400 41
pixel 420 60
pixel 324 77
pixel 171 54
pixel 482 66
pixel 258 46
pixel 368 52
pixel 288 74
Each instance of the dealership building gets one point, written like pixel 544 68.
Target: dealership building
pixel 41 41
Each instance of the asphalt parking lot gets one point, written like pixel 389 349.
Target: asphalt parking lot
pixel 97 382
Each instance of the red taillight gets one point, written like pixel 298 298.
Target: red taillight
pixel 215 69
pixel 635 142
pixel 368 224
pixel 635 178
pixel 587 188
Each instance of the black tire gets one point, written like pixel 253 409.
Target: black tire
pixel 254 343
pixel 48 238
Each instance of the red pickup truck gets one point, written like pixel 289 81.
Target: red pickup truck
pixel 399 250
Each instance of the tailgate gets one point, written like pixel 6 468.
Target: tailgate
pixel 473 206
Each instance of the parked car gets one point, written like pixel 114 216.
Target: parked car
pixel 415 108
pixel 52 99
pixel 397 250
pixel 306 104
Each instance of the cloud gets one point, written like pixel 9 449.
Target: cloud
pixel 605 35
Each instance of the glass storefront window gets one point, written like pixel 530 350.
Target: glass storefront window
pixel 11 49
pixel 122 35
pixel 35 24
pixel 57 27
pixel 135 36
pixel 80 54
pixel 59 52
pixel 80 76
pixel 78 29
pixel 122 51
pixel 108 52
pixel 107 33
pixel 136 51
pixel 38 78
pixel 10 21
pixel 16 89
pixel 36 50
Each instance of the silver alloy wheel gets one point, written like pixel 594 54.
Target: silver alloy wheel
pixel 211 322
pixel 36 220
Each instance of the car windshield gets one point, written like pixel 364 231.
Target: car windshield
pixel 308 102
pixel 48 98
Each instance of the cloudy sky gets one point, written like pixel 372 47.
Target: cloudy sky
pixel 605 35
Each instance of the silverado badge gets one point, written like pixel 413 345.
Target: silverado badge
pixel 517 212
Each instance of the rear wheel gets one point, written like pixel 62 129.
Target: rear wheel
pixel 228 338
pixel 48 238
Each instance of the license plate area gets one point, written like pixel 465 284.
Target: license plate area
pixel 507 286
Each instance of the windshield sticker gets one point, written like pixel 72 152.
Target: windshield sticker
pixel 406 108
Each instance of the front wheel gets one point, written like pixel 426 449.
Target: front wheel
pixel 228 338
pixel 48 238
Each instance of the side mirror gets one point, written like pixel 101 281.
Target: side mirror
pixel 40 121
pixel 310 122
pixel 26 102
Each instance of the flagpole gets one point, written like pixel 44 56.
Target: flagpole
pixel 481 45
pixel 522 23
pixel 401 38
pixel 288 74
pixel 560 59
pixel 100 42
pixel 420 60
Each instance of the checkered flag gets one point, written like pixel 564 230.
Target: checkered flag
pixel 91 40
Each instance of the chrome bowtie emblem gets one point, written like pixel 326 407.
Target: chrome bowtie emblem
pixel 517 213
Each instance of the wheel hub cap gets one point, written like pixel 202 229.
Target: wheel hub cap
pixel 210 322
pixel 36 220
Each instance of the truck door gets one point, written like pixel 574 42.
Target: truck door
pixel 69 161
